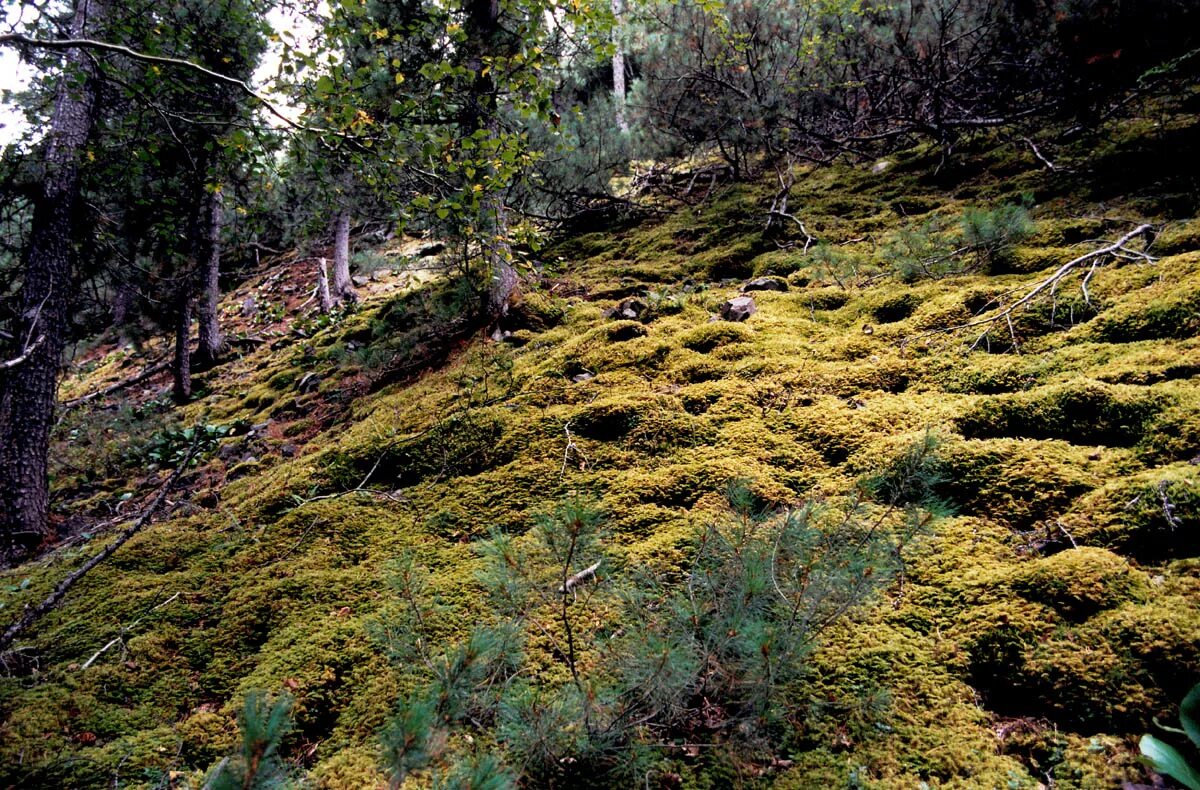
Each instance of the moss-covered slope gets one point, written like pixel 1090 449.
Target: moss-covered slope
pixel 1036 634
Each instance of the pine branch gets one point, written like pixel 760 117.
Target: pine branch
pixel 144 57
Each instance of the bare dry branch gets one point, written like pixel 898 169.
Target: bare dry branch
pixel 34 613
pixel 26 352
pixel 1095 258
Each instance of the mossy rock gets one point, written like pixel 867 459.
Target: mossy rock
pixel 713 335
pixel 607 420
pixel 824 298
pixel 1014 481
pixel 349 769
pixel 1175 314
pixel 1080 412
pixel 535 311
pixel 1119 669
pixel 1129 515
pixel 464 444
pixel 1178 237
pixel 1080 582
pixel 1174 435
pixel 895 308
pixel 620 331
pixel 1065 232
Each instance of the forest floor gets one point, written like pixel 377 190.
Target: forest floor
pixel 1038 631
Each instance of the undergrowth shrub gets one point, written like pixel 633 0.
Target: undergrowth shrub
pixel 937 247
pixel 582 670
pixel 258 765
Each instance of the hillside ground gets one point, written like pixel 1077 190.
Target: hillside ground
pixel 1038 631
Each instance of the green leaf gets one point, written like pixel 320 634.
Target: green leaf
pixel 1189 714
pixel 1166 760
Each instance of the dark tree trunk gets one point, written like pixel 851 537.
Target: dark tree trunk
pixel 28 392
pixel 484 33
pixel 211 344
pixel 343 288
pixel 181 366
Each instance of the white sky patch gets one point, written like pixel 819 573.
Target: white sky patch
pixel 299 31
pixel 14 76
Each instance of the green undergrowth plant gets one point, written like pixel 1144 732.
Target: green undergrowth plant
pixel 586 668
pixel 259 764
pixel 1166 759
pixel 938 247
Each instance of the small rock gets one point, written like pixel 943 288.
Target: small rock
pixel 579 378
pixel 308 382
pixel 259 427
pixel 429 250
pixel 739 308
pixel 376 275
pixel 353 345
pixel 1094 455
pixel 765 284
pixel 500 335
pixel 631 309
pixel 868 329
pixel 289 451
pixel 359 281
pixel 882 166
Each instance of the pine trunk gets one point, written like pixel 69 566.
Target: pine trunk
pixel 181 366
pixel 483 41
pixel 343 288
pixel 28 392
pixel 618 68
pixel 211 344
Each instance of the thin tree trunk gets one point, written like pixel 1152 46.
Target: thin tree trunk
pixel 343 288
pixel 618 67
pixel 211 344
pixel 480 112
pixel 181 367
pixel 27 394
pixel 323 286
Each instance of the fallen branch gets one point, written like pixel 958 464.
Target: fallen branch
pixel 119 639
pixel 34 613
pixel 1033 147
pixel 1115 250
pixel 572 582
pixel 154 369
pixel 571 449
pixel 25 354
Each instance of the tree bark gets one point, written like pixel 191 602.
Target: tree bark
pixel 181 367
pixel 211 343
pixel 343 288
pixel 323 295
pixel 27 394
pixel 483 31
pixel 618 68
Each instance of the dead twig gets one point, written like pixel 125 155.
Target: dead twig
pixel 119 639
pixel 149 372
pixel 34 613
pixel 26 352
pixel 572 583
pixel 571 449
pixel 1117 249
